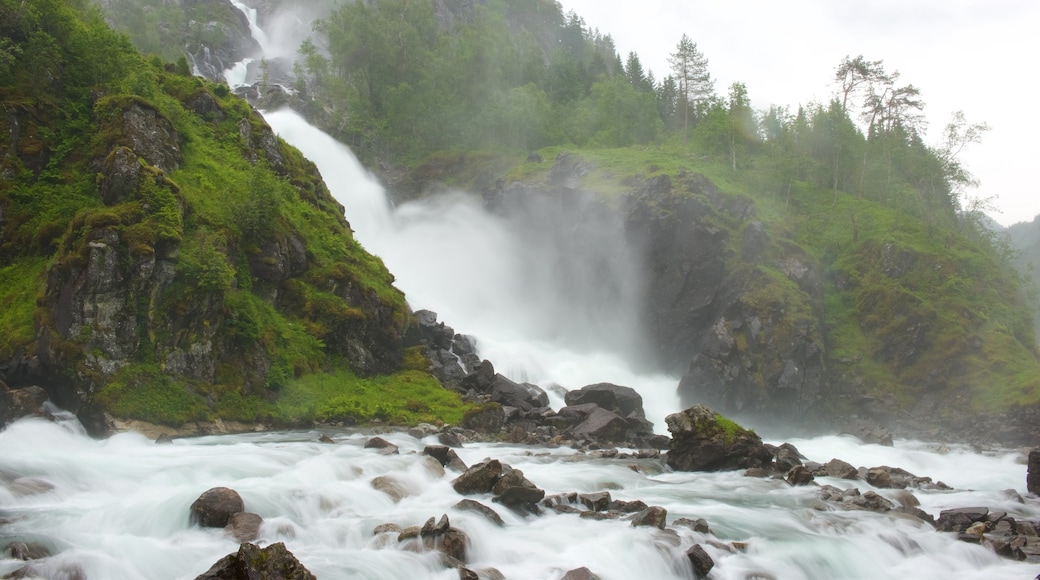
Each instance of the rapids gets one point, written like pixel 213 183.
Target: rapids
pixel 119 509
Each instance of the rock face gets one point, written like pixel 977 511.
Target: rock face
pixel 747 331
pixel 134 282
pixel 274 562
pixel 702 440
pixel 1033 472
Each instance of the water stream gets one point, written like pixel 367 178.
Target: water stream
pixel 118 508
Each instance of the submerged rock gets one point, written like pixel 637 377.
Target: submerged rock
pixel 703 440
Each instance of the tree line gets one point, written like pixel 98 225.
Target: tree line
pixel 524 75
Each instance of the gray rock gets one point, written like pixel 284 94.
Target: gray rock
pixel 215 507
pixel 476 506
pixel 251 561
pixel 244 526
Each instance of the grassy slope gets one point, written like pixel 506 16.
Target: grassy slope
pixel 51 210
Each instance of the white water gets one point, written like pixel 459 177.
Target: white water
pixel 119 507
pixel 119 510
pixel 493 278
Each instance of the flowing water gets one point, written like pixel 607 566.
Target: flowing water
pixel 118 508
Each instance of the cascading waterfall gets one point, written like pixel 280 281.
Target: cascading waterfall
pixel 118 508
pixel 533 309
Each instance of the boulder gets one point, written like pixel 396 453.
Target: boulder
pixel 481 379
pixel 18 403
pixel 524 396
pixel 385 447
pixel 27 551
pixel 215 507
pixel 478 479
pixel 274 562
pixel 244 526
pixel 624 401
pixel 391 486
pixel 488 418
pixel 476 506
pixel 703 440
pixel 582 573
pixel 841 469
pixel 960 519
pixel 1033 472
pixel 700 560
pixel 799 475
pixel 787 458
pixel 446 456
pixel 653 516
pixel 601 425
pixel 697 525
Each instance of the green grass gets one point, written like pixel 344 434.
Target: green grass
pixel 404 398
pixel 19 288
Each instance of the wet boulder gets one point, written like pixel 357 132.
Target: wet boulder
pixel 524 396
pixel 244 526
pixel 624 401
pixel 799 475
pixel 478 479
pixel 488 418
pixel 653 516
pixel 700 560
pixel 841 469
pixel 385 447
pixel 599 424
pixel 475 506
pixel 1033 472
pixel 251 561
pixel 17 403
pixel 582 573
pixel 703 440
pixel 215 507
pixel 960 519
pixel 446 456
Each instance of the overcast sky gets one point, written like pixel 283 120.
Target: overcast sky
pixel 978 56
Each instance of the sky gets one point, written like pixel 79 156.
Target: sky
pixel 976 56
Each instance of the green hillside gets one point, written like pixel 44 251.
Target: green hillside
pixel 163 256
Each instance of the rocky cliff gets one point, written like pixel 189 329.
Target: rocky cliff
pixel 164 255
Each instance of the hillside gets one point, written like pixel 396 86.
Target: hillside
pixel 163 256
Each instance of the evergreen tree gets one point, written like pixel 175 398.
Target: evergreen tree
pixel 694 82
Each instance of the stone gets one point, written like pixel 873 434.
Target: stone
pixel 582 573
pixel 274 562
pixel 120 176
pixel 446 456
pixel 488 419
pixel 388 528
pixel 601 425
pixel 244 526
pixel 524 396
pixel 452 543
pixel 215 507
pixel 595 501
pixel 799 475
pixel 28 551
pixel 879 477
pixel 697 525
pixel 869 501
pixel 840 469
pixel 624 401
pixel 702 440
pixel 786 459
pixel 385 447
pixel 700 560
pixel 449 439
pixel 391 486
pixel 959 519
pixel 476 506
pixel 1033 472
pixel 26 486
pixel 478 479
pixel 481 379
pixel 654 516
pixel 867 431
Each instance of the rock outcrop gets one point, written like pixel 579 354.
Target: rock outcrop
pixel 251 561
pixel 703 440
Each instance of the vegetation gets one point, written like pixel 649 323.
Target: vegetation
pixel 194 271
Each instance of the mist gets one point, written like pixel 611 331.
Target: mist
pixel 546 284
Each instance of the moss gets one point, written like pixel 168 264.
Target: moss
pixel 19 290
pixel 144 392
pixel 730 429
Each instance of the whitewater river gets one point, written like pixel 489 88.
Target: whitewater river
pixel 118 509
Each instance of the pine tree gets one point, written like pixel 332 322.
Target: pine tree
pixel 690 69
